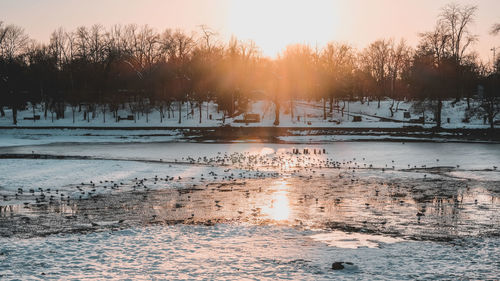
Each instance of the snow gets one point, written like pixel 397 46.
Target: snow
pixel 64 175
pixel 20 137
pixel 125 161
pixel 469 156
pixel 238 252
pixel 310 113
pixel 341 239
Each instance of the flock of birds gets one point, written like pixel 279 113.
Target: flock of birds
pixel 226 167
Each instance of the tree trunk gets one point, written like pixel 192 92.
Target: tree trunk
pixel 199 108
pixel 277 114
pixel 14 115
pixel 324 109
pixel 180 110
pixel 438 113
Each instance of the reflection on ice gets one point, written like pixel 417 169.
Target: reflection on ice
pixel 279 208
pixel 341 239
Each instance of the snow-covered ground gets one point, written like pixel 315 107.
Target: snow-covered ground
pixel 28 137
pixel 236 252
pixel 243 250
pixel 20 137
pixel 305 114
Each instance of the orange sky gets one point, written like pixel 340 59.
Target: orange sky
pixel 272 24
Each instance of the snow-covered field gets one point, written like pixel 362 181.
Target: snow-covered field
pixel 354 186
pixel 19 137
pixel 238 252
pixel 305 114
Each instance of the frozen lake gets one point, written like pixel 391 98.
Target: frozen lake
pixel 235 252
pixel 400 155
pixel 244 211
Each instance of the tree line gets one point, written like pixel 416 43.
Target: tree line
pixel 140 69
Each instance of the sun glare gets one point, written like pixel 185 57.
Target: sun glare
pixel 279 207
pixel 278 23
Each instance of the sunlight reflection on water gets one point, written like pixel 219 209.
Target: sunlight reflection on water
pixel 279 207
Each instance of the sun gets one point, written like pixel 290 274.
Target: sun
pixel 274 24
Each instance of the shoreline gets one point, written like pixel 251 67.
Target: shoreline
pixel 291 134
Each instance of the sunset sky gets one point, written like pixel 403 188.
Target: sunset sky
pixel 272 24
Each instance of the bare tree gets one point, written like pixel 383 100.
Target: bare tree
pixel 177 47
pixel 457 20
pixel 338 64
pixel 435 42
pixel 97 43
pixel 3 32
pixel 147 47
pixel 209 38
pixel 14 41
pixel 176 44
pixel 205 57
pixel 495 29
pixel 399 58
pixel 375 60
